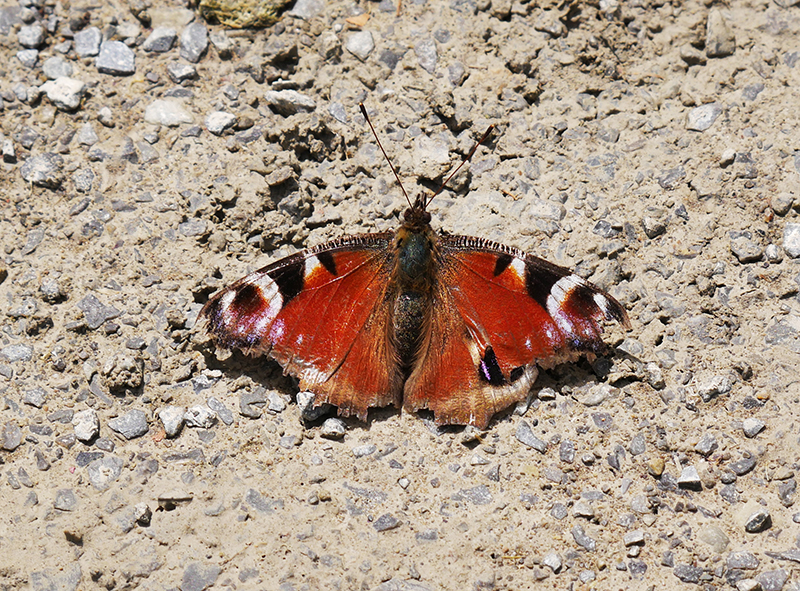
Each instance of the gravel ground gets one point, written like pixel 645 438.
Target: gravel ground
pixel 149 159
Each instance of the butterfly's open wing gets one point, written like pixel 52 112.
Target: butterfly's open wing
pixel 322 315
pixel 497 314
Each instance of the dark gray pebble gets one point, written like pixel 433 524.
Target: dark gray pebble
pixel 131 425
pixel 194 42
pixel 160 40
pixel 758 521
pixel 688 573
pixel 44 170
pixel 11 436
pixel 65 500
pixel 583 539
pixel 198 577
pixel 386 522
pixel 87 42
pixel 525 435
pixel 115 58
pixel 743 466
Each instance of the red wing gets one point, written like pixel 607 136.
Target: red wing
pixel 497 313
pixel 325 315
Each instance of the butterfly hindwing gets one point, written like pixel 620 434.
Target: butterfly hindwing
pixel 323 315
pixel 506 312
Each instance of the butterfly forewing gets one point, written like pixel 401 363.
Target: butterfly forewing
pixel 322 315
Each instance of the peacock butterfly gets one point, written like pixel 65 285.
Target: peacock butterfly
pixel 412 318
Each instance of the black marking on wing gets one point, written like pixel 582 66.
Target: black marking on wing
pixel 516 374
pixel 326 260
pixel 290 280
pixel 540 277
pixel 489 370
pixel 502 263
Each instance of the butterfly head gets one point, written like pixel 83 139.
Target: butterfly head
pixel 416 218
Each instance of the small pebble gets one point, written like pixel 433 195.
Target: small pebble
pixel 115 58
pixel 773 580
pixel 179 72
pixel 791 240
pixel 553 561
pixel 172 418
pixel 167 112
pixel 525 436
pixel 223 413
pixel 427 55
pixel 364 450
pixel 87 42
pixel 194 42
pixel 10 436
pixel 752 426
pixel 690 479
pixel 333 428
pixel 633 538
pixel 160 40
pixel 745 250
pixel 748 585
pixel 360 44
pixel 43 170
pixel 200 416
pixel 104 472
pixel 713 535
pixel 289 102
pixel 758 521
pixel 64 93
pixel 582 539
pixel 275 402
pixel 131 425
pixel 56 67
pixel 31 37
pixel 742 560
pixel 218 121
pixel 86 425
pixel 703 117
pixel 386 522
pixel 720 40
pixel 35 397
pixel 65 500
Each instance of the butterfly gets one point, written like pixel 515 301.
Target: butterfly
pixel 416 319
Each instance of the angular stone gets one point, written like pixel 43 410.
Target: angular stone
pixel 43 170
pixel 172 419
pixel 720 41
pixel 791 240
pixel 525 436
pixel 360 44
pixel 87 42
pixel 104 472
pixel 194 42
pixel 115 58
pixel 131 425
pixel 86 425
pixel 703 117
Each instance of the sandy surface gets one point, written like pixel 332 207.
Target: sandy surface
pixel 652 463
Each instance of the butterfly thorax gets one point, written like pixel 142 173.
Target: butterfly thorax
pixel 415 275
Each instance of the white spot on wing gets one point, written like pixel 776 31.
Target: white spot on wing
pixel 519 267
pixel 312 263
pixel 602 303
pixel 558 296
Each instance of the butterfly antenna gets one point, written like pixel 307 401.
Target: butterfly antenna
pixel 463 161
pixel 377 139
